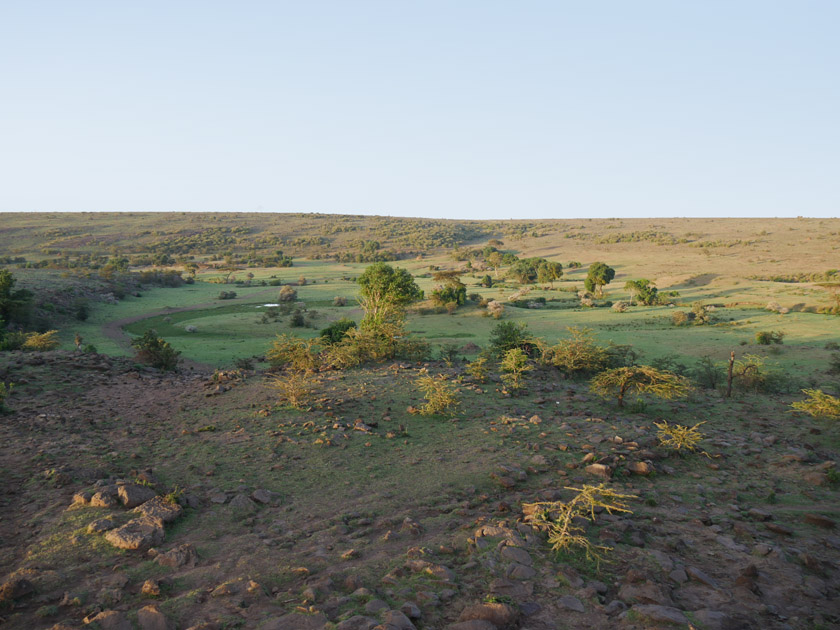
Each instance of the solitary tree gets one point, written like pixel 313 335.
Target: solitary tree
pixel 641 379
pixel 548 271
pixel 600 274
pixel 385 292
pixel 643 290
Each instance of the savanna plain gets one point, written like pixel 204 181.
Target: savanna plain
pixel 305 421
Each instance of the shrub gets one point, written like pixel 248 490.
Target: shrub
pixel 680 318
pixel 707 374
pixel 335 332
pixel 514 366
pixel 834 363
pixel 13 341
pixel 5 391
pixel 495 309
pixel 751 373
pixel 244 363
pixel 564 521
pixel 449 353
pixel 295 387
pixel 339 300
pixel 506 336
pixel 190 328
pixel 439 393
pixel 818 404
pixel 478 369
pixel 40 342
pixel 89 349
pixel 298 354
pixel 678 437
pixel 620 307
pixel 641 379
pixel 578 354
pixel 765 338
pixel 287 294
pixel 227 295
pixel 297 320
pixel 156 352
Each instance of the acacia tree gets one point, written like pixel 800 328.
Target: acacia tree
pixel 548 271
pixel 385 292
pixel 643 290
pixel 450 289
pixel 600 274
pixel 641 379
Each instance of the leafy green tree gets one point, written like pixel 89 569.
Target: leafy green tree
pixel 600 274
pixel 15 306
pixel 548 271
pixel 643 291
pixel 336 331
pixel 508 335
pixel 451 288
pixel 385 292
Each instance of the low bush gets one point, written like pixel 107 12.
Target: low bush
pixel 440 395
pixel 818 404
pixel 155 352
pixel 765 338
pixel 41 342
pixel 336 331
pixel 287 294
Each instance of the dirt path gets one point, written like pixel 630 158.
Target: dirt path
pixel 113 330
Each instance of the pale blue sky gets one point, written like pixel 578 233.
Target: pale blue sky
pixel 461 109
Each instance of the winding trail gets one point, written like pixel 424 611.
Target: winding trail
pixel 113 330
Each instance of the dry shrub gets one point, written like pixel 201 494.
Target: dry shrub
pixel 287 294
pixel 478 369
pixel 678 437
pixel 295 353
pixel 41 342
pixel 339 300
pixel 514 366
pixel 578 354
pixel 562 520
pixel 818 404
pixel 495 309
pixel 295 387
pixel 440 394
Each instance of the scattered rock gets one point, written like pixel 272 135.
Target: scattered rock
pixel 571 603
pixel 15 588
pixel 358 622
pixel 150 618
pixel 261 496
pixel 396 620
pixel 101 525
pixel 819 520
pixel 103 499
pixel 181 556
pixel 160 508
pixel 599 470
pixel 518 571
pixel 475 624
pixel 139 533
pixel 516 554
pixel 133 495
pixel 640 468
pixel 242 505
pixel 779 529
pixel 696 574
pixel 410 610
pixel 659 614
pixel 500 615
pixel 110 620
pixel 296 621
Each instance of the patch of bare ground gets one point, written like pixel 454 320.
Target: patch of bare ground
pixel 135 499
